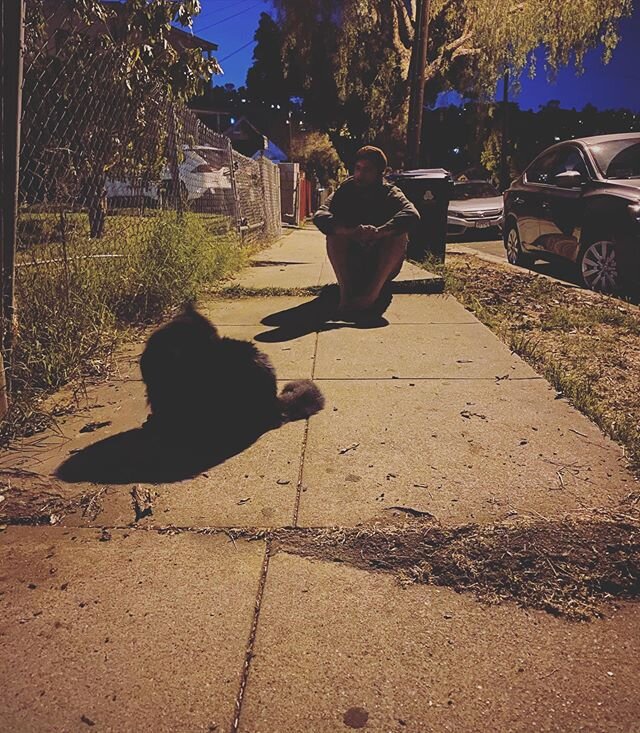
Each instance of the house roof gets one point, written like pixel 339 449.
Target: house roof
pixel 242 124
pixel 272 152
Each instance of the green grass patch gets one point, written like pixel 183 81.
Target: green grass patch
pixel 77 298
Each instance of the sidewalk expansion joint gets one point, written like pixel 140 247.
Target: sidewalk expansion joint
pixel 249 654
pixel 303 451
pixel 536 378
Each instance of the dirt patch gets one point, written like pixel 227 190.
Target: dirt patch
pixel 574 567
pixel 586 344
pixel 578 567
pixel 31 498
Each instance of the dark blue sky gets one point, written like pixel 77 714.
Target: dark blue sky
pixel 232 23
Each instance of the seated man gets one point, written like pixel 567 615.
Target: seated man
pixel 366 222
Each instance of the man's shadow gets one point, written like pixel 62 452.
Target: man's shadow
pixel 320 314
pixel 143 456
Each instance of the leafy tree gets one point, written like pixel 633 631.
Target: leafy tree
pixel 266 81
pixel 318 158
pixel 99 89
pixel 351 58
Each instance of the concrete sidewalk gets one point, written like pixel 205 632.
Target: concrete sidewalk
pixel 171 623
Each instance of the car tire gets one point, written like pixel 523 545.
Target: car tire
pixel 512 245
pixel 599 266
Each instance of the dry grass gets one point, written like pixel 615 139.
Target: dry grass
pixel 575 567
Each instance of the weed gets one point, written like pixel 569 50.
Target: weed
pixel 76 296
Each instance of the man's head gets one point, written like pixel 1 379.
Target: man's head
pixel 371 163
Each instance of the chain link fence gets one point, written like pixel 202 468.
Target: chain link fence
pixel 127 203
pixel 96 159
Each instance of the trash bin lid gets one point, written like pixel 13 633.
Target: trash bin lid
pixel 438 174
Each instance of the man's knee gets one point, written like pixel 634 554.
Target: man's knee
pixel 336 240
pixel 396 241
pixel 393 252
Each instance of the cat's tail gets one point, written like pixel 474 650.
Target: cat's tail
pixel 300 399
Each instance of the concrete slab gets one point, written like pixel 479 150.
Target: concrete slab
pixel 285 276
pixel 435 351
pixel 143 632
pixel 306 244
pixel 249 311
pixel 464 451
pixel 404 309
pixel 291 360
pixel 428 309
pixel 256 488
pixel 300 260
pixel 426 659
pixel 115 407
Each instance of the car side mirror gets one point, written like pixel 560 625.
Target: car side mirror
pixel 569 179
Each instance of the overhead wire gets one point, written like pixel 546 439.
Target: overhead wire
pixel 229 17
pixel 233 53
pixel 210 11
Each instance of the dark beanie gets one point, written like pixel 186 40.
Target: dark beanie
pixel 374 155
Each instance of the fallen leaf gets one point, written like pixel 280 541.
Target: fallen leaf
pixel 468 415
pixel 91 426
pixel 142 501
pixel 244 501
pixel 410 510
pixel 342 451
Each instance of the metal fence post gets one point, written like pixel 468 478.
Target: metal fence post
pixel 174 153
pixel 12 38
pixel 234 188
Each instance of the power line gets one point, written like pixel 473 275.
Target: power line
pixel 229 17
pixel 212 11
pixel 233 53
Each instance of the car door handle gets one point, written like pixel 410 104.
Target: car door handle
pixel 518 200
pixel 546 205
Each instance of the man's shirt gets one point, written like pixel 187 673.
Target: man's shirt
pixel 377 205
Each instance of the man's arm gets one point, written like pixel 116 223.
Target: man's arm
pixel 324 217
pixel 328 222
pixel 404 219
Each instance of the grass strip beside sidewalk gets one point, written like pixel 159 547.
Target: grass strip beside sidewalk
pixel 586 344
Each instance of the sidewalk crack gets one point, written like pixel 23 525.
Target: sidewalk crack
pixel 249 654
pixel 296 509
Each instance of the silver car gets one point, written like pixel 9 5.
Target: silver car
pixel 474 205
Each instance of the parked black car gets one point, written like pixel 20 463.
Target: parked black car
pixel 580 201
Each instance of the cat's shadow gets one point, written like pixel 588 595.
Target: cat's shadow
pixel 140 456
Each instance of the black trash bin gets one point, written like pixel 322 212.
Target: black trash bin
pixel 429 190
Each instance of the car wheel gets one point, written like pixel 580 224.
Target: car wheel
pixel 515 255
pixel 600 266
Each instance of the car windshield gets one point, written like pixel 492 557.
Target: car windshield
pixel 216 157
pixel 473 190
pixel 618 158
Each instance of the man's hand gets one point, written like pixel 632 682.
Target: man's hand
pixel 366 233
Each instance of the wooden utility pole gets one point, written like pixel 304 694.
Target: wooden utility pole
pixel 504 144
pixel 417 80
pixel 11 49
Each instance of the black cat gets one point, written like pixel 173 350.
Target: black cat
pixel 201 385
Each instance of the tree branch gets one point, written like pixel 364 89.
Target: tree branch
pixel 405 23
